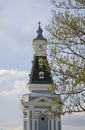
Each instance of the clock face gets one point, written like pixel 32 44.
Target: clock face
pixel 40 49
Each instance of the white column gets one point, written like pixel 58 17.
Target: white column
pixel 28 120
pixel 33 125
pixel 56 123
pixel 52 124
pixel 52 120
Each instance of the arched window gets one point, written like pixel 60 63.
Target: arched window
pixel 41 75
pixel 43 122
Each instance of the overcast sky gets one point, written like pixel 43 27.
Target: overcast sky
pixel 18 25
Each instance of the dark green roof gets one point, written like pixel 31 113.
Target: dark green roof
pixel 37 68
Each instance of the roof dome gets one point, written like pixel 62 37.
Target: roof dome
pixel 39 33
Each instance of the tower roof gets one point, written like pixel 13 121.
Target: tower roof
pixel 39 68
pixel 39 33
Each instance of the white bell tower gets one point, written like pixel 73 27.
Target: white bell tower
pixel 38 104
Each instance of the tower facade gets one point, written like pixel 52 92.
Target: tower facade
pixel 37 103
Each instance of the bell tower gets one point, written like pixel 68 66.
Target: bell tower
pixel 37 103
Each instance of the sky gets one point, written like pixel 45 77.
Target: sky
pixel 18 25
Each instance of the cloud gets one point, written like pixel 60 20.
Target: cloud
pixel 74 120
pixel 18 128
pixel 18 87
pixel 12 83
pixel 13 73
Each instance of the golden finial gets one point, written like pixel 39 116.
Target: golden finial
pixel 39 22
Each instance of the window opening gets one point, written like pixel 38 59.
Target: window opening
pixel 41 75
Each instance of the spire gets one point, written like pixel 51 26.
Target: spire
pixel 39 33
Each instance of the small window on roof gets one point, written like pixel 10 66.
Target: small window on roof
pixel 41 75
